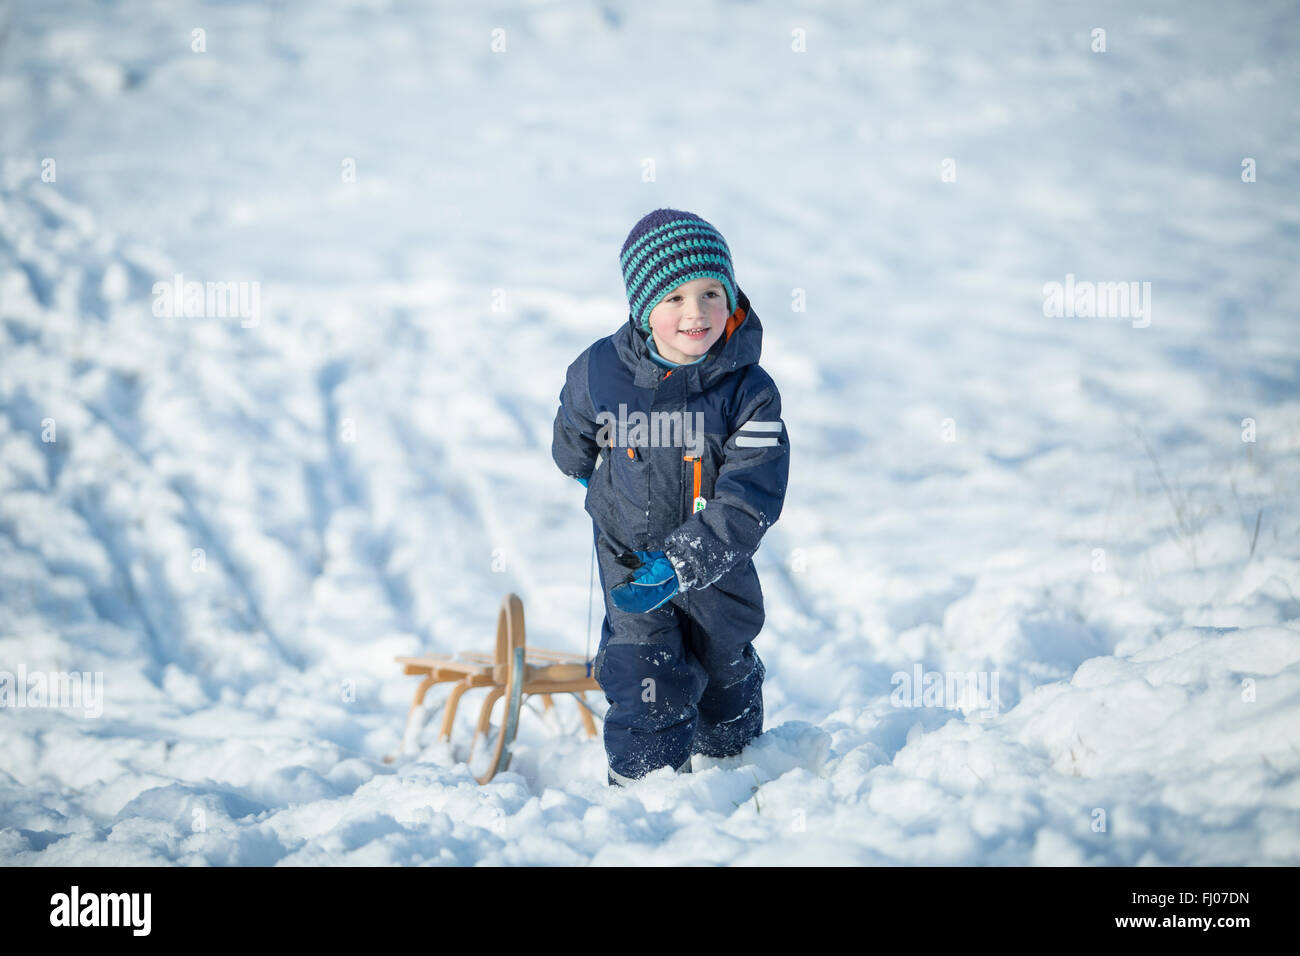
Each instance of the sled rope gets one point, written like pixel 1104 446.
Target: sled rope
pixel 591 587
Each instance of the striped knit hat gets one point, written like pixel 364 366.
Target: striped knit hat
pixel 669 247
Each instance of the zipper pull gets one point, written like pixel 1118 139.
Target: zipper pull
pixel 699 502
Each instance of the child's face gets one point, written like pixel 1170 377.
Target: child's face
pixel 689 319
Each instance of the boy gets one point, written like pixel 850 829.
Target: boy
pixel 676 433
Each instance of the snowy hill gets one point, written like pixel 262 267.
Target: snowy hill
pixel 239 519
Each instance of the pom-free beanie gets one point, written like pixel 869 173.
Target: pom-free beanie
pixel 669 247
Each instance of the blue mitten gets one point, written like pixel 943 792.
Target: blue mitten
pixel 650 586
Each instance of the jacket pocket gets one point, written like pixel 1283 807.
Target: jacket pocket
pixel 618 495
pixel 629 473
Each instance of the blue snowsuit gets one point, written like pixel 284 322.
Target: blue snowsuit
pixel 684 678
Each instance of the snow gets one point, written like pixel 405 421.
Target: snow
pixel 240 523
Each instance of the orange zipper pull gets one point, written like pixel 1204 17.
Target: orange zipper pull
pixel 699 502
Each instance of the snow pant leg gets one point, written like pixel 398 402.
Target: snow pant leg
pixel 650 679
pixel 731 715
pixel 720 625
pixel 731 708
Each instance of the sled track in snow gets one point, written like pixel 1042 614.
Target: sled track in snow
pixel 214 543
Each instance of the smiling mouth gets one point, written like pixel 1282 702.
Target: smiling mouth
pixel 694 333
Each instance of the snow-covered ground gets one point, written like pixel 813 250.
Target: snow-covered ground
pixel 239 521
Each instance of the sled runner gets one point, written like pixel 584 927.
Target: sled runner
pixel 514 672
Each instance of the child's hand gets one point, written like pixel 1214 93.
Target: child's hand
pixel 649 587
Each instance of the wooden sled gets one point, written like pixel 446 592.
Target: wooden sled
pixel 514 672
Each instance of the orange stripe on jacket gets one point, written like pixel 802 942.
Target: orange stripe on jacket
pixel 697 460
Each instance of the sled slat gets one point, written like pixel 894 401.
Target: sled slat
pixel 555 672
pixel 561 657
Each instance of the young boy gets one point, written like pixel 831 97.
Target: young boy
pixel 676 433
